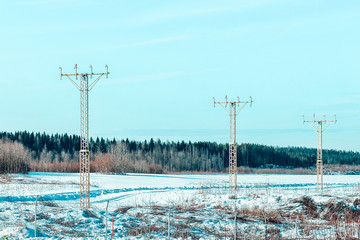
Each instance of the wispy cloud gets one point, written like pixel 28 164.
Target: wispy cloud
pixel 39 2
pixel 161 15
pixel 153 41
pixel 346 99
pixel 160 76
pixel 149 77
pixel 46 2
pixel 85 50
pixel 348 102
pixel 136 44
pixel 181 12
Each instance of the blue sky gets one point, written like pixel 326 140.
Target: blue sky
pixel 167 59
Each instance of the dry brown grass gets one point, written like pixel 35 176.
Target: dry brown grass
pixel 122 210
pixel 299 171
pixel 308 205
pixel 158 212
pixel 189 205
pixel 140 214
pixel 260 214
pixel 54 167
pixel 180 217
pixel 49 203
pixel 6 179
pixel 189 208
pixel 340 168
pixel 195 172
pixel 143 229
pixel 248 170
pixel 42 216
pixel 90 214
pixel 65 223
pixel 182 230
pixel 223 208
pixel 225 234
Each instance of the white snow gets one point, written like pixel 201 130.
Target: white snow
pixel 200 203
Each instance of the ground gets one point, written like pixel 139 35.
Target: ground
pixel 180 207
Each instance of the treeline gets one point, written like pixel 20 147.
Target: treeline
pixel 14 157
pixel 59 152
pixel 42 143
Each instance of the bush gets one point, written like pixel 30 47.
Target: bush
pixel 308 205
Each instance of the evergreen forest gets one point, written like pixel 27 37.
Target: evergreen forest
pixel 27 151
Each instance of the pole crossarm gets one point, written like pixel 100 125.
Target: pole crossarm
pixel 232 143
pixel 322 121
pixel 84 74
pixel 238 102
pixel 91 74
pixel 317 125
pixel 84 87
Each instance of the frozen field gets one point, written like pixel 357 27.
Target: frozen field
pixel 181 206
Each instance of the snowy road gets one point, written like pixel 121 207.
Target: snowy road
pixel 64 187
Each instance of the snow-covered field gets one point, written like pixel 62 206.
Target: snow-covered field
pixel 180 206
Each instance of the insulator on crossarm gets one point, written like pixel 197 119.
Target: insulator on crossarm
pixel 91 71
pixel 107 70
pixel 60 72
pixel 75 71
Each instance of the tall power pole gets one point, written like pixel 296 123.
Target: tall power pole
pixel 84 89
pixel 232 144
pixel 319 161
